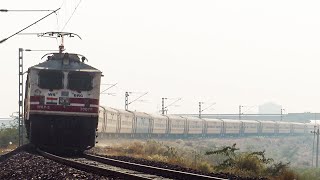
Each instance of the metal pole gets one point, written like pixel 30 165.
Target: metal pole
pixel 20 115
pixel 240 112
pixel 162 106
pixel 317 155
pixel 126 101
pixel 314 137
pixel 200 109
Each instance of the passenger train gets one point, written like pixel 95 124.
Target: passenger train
pixel 61 110
pixel 120 123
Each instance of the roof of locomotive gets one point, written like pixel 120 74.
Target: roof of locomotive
pixel 55 61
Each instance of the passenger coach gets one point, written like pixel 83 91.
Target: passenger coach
pixel 114 122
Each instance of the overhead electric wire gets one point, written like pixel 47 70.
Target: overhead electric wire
pixel 248 108
pixel 173 103
pixel 21 10
pixel 138 98
pixel 71 15
pixel 208 107
pixel 57 20
pixel 108 88
pixel 3 40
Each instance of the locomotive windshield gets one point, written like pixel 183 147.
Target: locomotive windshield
pixel 49 79
pixel 79 81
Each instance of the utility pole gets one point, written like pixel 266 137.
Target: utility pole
pixel 281 116
pixel 314 137
pixel 317 148
pixel 240 111
pixel 163 109
pixel 200 109
pixel 21 112
pixel 126 101
pixel 317 155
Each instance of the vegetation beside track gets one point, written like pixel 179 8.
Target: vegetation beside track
pixel 9 137
pixel 206 156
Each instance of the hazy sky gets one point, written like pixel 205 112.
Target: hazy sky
pixel 228 52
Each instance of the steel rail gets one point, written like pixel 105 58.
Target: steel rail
pixel 150 169
pixel 90 168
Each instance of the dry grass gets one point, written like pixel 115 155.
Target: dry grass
pixel 157 151
pixel 190 154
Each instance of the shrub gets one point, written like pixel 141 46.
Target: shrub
pixel 153 147
pixel 205 167
pixel 135 148
pixel 229 153
pixel 249 163
pixel 8 135
pixel 277 168
pixel 288 175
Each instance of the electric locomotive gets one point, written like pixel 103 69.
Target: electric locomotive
pixel 62 102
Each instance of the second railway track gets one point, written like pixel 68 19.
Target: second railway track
pixel 120 169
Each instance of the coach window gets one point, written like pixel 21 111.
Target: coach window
pixel 49 79
pixel 79 81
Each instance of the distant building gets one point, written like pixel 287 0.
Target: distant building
pixel 270 108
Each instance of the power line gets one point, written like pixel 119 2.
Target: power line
pixel 28 26
pixel 112 85
pixel 165 108
pixel 201 110
pixel 71 15
pixel 127 99
pixel 138 97
pixel 29 10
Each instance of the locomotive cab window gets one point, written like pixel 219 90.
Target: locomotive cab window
pixel 49 79
pixel 79 81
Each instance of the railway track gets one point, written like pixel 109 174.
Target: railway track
pixel 125 170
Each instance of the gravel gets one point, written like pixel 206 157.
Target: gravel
pixel 24 165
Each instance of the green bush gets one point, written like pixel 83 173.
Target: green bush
pixel 277 168
pixel 250 163
pixel 9 136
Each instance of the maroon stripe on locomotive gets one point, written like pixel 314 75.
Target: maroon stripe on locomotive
pixel 62 108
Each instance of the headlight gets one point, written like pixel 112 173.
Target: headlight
pixel 37 92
